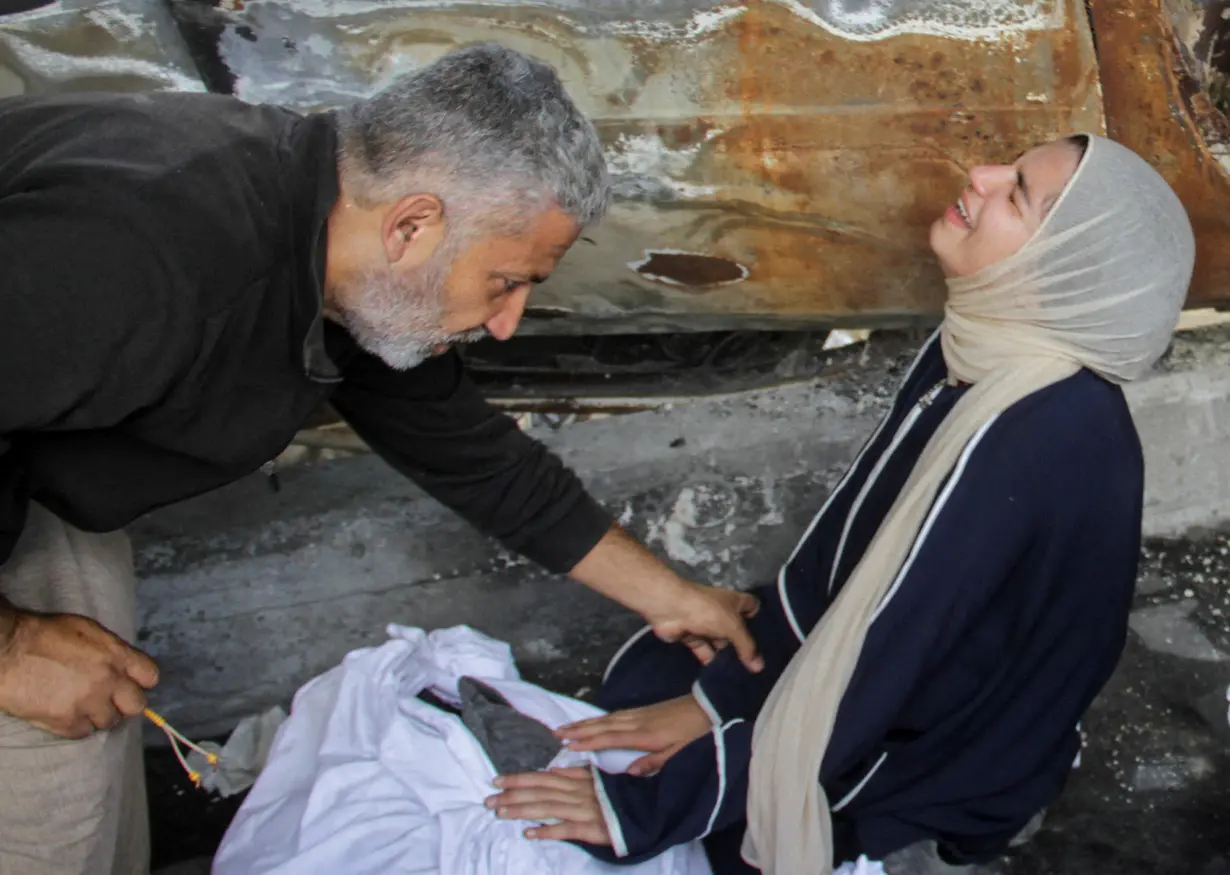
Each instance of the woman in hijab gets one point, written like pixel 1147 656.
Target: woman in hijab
pixel 962 596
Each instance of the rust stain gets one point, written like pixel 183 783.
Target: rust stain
pixel 1155 108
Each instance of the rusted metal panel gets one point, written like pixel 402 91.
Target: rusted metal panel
pixel 1155 83
pixel 777 161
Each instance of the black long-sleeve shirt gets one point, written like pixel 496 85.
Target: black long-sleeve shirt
pixel 161 328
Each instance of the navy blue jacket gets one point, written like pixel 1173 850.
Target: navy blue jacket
pixel 960 720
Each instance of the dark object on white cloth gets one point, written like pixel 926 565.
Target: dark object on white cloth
pixel 512 741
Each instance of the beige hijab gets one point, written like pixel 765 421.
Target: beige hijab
pixel 1099 286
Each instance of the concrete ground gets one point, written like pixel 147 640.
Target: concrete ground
pixel 247 594
pixel 1152 793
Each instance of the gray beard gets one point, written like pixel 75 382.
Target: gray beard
pixel 398 319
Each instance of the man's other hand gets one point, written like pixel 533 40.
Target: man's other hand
pixel 706 619
pixel 70 676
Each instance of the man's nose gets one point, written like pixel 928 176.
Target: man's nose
pixel 987 178
pixel 503 324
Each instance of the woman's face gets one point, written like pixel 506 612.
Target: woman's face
pixel 1002 208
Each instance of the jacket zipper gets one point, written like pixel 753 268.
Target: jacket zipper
pixel 927 399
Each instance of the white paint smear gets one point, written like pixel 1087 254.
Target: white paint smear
pixel 671 532
pixel 646 156
pixel 872 20
pixel 702 23
pixel 57 67
pixel 859 20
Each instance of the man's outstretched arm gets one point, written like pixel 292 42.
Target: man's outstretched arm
pixel 433 425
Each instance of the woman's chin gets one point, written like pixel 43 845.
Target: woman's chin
pixel 940 250
pixel 936 239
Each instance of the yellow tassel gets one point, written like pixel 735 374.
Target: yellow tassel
pixel 176 739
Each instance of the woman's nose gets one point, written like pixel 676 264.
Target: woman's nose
pixel 987 178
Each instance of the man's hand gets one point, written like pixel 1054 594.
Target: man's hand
pixel 566 795
pixel 662 730
pixel 704 618
pixel 70 676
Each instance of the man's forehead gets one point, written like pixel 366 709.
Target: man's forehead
pixel 530 252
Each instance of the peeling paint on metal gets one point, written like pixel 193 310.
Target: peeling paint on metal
pixel 864 20
pixel 642 165
pixel 847 19
pixel 120 45
pixel 54 66
pixel 702 22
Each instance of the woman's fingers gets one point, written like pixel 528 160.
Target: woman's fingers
pixel 621 740
pixel 626 730
pixel 593 833
pixel 556 787
pixel 588 721
pixel 586 728
pixel 653 763
pixel 562 780
pixel 565 795
pixel 540 809
pixel 605 723
pixel 576 773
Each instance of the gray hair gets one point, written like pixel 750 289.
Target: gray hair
pixel 485 129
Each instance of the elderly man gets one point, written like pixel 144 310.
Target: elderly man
pixel 183 280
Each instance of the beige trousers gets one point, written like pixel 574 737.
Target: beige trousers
pixel 72 807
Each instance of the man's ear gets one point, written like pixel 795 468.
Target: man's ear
pixel 412 228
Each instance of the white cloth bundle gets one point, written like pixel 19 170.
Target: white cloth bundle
pixel 366 779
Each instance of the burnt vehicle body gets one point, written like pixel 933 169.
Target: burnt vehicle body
pixel 777 163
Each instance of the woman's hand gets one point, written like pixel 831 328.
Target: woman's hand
pixel 661 730
pixel 566 795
